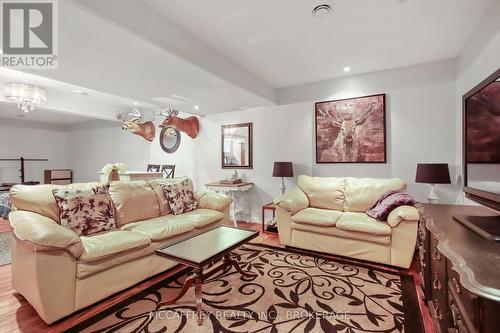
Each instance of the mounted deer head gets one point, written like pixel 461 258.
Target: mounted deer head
pixel 146 130
pixel 190 125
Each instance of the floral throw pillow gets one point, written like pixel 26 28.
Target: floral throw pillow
pixel 180 197
pixel 85 212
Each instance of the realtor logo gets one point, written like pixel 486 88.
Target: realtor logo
pixel 29 34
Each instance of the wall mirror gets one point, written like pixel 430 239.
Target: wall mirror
pixel 170 139
pixel 237 146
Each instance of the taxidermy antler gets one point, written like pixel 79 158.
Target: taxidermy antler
pixel 190 125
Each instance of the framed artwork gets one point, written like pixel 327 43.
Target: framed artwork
pixel 351 130
pixel 237 146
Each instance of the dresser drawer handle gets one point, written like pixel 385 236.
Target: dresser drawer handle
pixel 456 285
pixel 436 284
pixel 436 255
pixel 437 310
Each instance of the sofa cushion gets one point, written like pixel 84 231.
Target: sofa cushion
pixel 198 218
pixel 134 201
pixel 39 199
pixel 159 228
pixel 85 212
pixel 334 231
pixel 362 193
pixel 323 192
pixel 360 222
pixel 156 184
pixel 160 196
pixel 109 243
pixel 316 216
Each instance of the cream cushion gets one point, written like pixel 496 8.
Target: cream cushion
pixel 198 218
pixel 86 268
pixel 159 228
pixel 333 231
pixel 160 196
pixel 316 216
pixel 323 192
pixel 213 201
pixel 360 222
pixel 39 198
pixel 109 243
pixel 160 193
pixel 402 213
pixel 134 201
pixel 293 200
pixel 362 193
pixel 44 233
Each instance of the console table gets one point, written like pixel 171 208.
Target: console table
pixel 230 190
pixel 460 271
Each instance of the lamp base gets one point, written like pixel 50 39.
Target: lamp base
pixel 283 187
pixel 433 197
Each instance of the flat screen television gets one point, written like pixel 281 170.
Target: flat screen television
pixel 481 151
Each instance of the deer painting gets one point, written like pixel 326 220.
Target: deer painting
pixel 190 125
pixel 146 130
pixel 346 118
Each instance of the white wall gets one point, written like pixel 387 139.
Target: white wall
pixel 421 127
pixel 96 143
pixel 281 133
pixel 31 140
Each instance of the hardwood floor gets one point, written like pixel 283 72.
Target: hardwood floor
pixel 16 315
pixel 4 226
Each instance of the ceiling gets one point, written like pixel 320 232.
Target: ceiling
pixel 281 41
pixel 40 115
pixel 224 55
pixel 101 48
pixel 67 103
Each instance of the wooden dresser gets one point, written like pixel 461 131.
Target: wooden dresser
pixel 460 271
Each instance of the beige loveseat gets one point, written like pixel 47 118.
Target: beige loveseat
pixel 327 214
pixel 59 272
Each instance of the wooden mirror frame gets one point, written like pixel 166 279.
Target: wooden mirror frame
pixel 177 143
pixel 250 146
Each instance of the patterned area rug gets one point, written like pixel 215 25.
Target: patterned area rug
pixel 293 292
pixel 5 240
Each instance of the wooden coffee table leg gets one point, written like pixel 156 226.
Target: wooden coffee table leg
pixel 187 284
pixel 197 290
pixel 230 262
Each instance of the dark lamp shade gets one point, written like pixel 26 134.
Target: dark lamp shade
pixel 283 169
pixel 433 173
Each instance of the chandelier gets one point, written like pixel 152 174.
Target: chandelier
pixel 26 96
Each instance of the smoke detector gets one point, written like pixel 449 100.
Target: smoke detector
pixel 322 9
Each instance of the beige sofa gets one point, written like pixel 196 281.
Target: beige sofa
pixel 59 272
pixel 327 214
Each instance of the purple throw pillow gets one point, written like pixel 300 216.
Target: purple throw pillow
pixel 389 201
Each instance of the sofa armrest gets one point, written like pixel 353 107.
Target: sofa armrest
pixel 402 213
pixel 293 200
pixel 212 200
pixel 44 233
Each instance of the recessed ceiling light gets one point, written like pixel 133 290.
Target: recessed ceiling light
pixel 322 10
pixel 196 107
pixel 347 69
pixel 136 103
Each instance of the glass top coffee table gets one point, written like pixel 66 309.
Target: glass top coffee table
pixel 202 249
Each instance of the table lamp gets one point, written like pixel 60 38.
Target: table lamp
pixel 433 173
pixel 283 169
